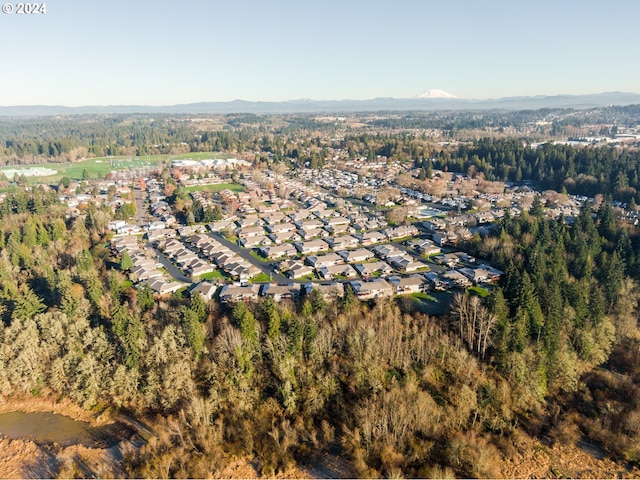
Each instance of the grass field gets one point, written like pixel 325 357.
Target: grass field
pixel 482 292
pixel 424 296
pixel 432 303
pixel 212 275
pixel 218 187
pixel 100 166
pixel 261 278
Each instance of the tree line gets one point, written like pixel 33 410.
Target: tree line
pixel 576 170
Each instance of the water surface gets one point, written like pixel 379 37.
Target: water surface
pixel 54 428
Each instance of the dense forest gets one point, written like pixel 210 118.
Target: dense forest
pixel 396 392
pixel 62 139
pixel 581 171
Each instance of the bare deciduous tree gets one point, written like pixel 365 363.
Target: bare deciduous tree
pixel 474 322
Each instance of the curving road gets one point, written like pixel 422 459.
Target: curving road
pixel 245 253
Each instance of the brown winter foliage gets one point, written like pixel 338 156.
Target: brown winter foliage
pixel 287 385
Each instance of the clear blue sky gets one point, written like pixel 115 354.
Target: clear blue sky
pixel 160 52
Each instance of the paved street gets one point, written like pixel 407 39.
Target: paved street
pixel 174 271
pixel 142 214
pixel 245 253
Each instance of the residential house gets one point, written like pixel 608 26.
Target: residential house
pixel 206 290
pixel 368 269
pixel 158 235
pixel 388 251
pixel 435 224
pixel 188 230
pixel 221 225
pixel 328 260
pixel 156 225
pixel 448 259
pixel 375 288
pixel 465 257
pixel 241 270
pixel 251 242
pixel 339 229
pixel 455 278
pixel 249 220
pixel 199 267
pixel 223 257
pixel 333 271
pixel 371 238
pixel 344 242
pixel 407 285
pixel 312 246
pixel 434 280
pixel 298 269
pixel 445 238
pixel 425 247
pixel 359 255
pixel 283 237
pixel 493 274
pixel 121 244
pixel 236 293
pixel 274 217
pixel 250 231
pixel 278 251
pixel 171 246
pixel 401 232
pixel 329 290
pixel 141 273
pixel 278 228
pixel 299 215
pixel 335 221
pixel 309 224
pixel 308 234
pixel 163 287
pixel 407 264
pixel 281 292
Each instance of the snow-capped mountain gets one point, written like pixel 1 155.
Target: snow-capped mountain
pixel 434 93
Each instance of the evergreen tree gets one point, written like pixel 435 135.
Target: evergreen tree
pixel 125 261
pixel 27 304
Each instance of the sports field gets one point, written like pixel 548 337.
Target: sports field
pixel 100 166
pixel 218 187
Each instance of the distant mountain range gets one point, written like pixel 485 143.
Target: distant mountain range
pixel 435 94
pixel 430 100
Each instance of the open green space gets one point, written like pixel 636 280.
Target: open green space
pixel 480 291
pixel 212 275
pixel 100 166
pixel 261 278
pixel 424 296
pixel 218 187
pixel 432 303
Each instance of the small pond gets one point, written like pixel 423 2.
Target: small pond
pixel 54 428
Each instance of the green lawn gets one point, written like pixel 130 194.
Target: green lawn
pixel 100 166
pixel 482 292
pixel 212 275
pixel 306 278
pixel 257 256
pixel 424 296
pixel 435 303
pixel 261 277
pixel 234 187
